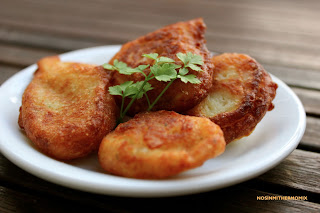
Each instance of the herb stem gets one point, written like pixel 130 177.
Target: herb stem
pixel 120 119
pixel 122 103
pixel 147 99
pixel 133 99
pixel 159 96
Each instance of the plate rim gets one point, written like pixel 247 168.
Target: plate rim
pixel 156 191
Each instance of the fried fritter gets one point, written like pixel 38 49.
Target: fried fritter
pixel 168 41
pixel 160 144
pixel 241 94
pixel 66 109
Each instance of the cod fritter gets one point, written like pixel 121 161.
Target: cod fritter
pixel 160 144
pixel 168 41
pixel 241 94
pixel 66 109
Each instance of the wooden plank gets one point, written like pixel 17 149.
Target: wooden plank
pixel 103 12
pixel 22 56
pixel 245 200
pixel 96 8
pixel 292 172
pixel 312 134
pixel 266 52
pixel 309 98
pixel 302 77
pixel 300 170
pixel 102 30
pixel 238 198
pixel 259 40
pixel 43 40
pixel 6 72
pixel 17 201
pixel 140 10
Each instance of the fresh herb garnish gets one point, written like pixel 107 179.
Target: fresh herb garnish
pixel 163 69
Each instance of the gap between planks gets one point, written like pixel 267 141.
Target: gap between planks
pixel 236 199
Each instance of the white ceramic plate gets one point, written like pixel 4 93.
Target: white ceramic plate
pixel 275 137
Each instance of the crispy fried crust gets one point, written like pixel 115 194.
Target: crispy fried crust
pixel 180 37
pixel 66 109
pixel 160 144
pixel 241 94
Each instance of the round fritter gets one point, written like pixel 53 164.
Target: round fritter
pixel 66 109
pixel 180 37
pixel 160 144
pixel 241 94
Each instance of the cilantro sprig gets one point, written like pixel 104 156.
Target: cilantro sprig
pixel 163 69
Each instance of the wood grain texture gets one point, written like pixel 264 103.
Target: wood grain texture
pixel 43 40
pixel 6 72
pixel 238 199
pixel 22 56
pixel 304 77
pixel 312 133
pixel 293 172
pixel 310 100
pixel 36 194
pixel 272 34
pixel 301 170
pixel 17 201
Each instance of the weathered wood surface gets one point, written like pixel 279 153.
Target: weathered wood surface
pixel 244 200
pixel 282 35
pixel 292 172
pixel 37 194
pixel 295 170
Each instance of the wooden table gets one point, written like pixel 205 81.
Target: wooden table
pixel 282 35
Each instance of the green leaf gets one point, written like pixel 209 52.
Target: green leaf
pixel 115 90
pixel 189 78
pixel 128 71
pixel 182 57
pixel 142 67
pixel 147 87
pixel 123 68
pixel 119 64
pixel 190 58
pixel 124 85
pixel 195 59
pixel 164 72
pixel 130 91
pixel 135 88
pixel 194 67
pixel 165 60
pixel 183 71
pixel 108 66
pixel 122 89
pixel 153 56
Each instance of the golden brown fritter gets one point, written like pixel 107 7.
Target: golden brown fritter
pixel 66 109
pixel 160 144
pixel 168 41
pixel 241 94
